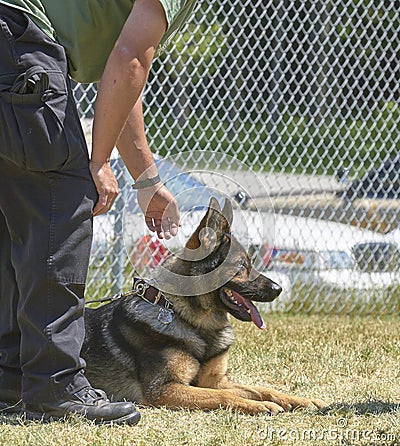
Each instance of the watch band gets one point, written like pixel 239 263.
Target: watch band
pixel 146 183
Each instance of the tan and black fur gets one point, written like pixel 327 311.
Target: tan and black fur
pixel 131 355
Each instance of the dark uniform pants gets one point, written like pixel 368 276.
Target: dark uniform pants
pixel 46 201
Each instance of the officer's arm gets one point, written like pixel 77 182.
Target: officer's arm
pixel 121 85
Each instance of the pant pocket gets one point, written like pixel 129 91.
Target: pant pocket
pixel 32 116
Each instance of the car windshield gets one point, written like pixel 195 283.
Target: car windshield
pixel 377 257
pixel 190 193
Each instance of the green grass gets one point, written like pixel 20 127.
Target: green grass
pixel 352 363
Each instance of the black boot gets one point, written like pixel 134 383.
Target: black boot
pixel 88 402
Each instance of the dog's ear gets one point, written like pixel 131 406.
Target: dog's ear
pixel 194 241
pixel 212 227
pixel 227 212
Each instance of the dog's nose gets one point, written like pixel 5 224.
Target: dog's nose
pixel 276 289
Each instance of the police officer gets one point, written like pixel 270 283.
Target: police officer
pixel 50 189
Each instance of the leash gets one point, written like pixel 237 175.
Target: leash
pixel 112 298
pixel 149 294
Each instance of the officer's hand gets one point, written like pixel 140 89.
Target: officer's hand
pixel 160 210
pixel 106 185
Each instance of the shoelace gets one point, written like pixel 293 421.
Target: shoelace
pixel 91 396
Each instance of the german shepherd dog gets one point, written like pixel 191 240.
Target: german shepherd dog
pixel 182 362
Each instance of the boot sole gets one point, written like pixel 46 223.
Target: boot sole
pixel 131 419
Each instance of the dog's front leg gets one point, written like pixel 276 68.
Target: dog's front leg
pixel 181 396
pixel 259 393
pixel 214 375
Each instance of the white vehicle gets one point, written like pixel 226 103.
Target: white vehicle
pixel 309 250
pixel 333 254
pixel 291 248
pixel 302 249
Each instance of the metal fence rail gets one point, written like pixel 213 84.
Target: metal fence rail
pixel 304 96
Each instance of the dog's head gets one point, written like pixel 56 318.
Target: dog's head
pixel 230 282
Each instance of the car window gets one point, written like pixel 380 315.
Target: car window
pixel 335 260
pixel 190 193
pixel 290 258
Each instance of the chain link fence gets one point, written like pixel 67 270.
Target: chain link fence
pixel 303 95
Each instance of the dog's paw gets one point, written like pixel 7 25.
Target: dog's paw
pixel 317 403
pixel 265 407
pixel 295 403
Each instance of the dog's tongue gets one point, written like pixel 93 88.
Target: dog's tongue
pixel 255 315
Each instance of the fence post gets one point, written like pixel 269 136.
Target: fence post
pixel 118 252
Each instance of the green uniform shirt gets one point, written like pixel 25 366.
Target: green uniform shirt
pixel 88 29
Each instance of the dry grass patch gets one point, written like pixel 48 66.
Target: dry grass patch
pixel 352 363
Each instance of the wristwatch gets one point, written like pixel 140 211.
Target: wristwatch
pixel 142 184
